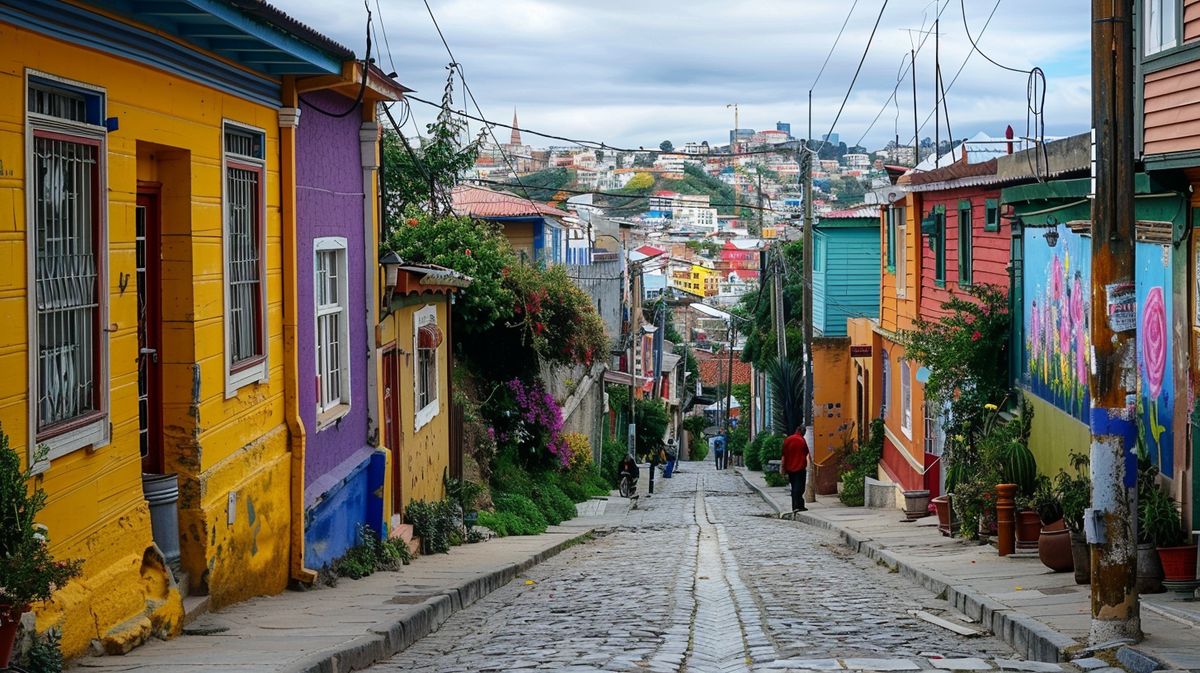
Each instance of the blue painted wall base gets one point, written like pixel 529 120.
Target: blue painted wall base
pixel 331 524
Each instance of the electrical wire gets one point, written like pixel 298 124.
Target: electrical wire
pixel 362 89
pixel 386 42
pixel 833 47
pixel 975 46
pixel 853 79
pixel 501 183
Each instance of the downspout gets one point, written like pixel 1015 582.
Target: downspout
pixel 289 121
pixel 368 144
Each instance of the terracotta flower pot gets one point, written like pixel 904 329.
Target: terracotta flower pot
pixel 10 622
pixel 1178 563
pixel 1029 529
pixel 1149 570
pixel 1082 556
pixel 945 513
pixel 1054 548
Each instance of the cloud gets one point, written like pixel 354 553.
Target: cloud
pixel 633 72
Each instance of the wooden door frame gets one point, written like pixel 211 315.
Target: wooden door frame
pixel 393 435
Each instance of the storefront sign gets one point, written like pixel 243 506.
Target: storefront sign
pixel 860 351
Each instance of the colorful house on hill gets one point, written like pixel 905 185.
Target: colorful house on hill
pixel 1166 73
pixel 337 226
pixel 151 294
pixel 416 386
pixel 845 285
pixel 535 230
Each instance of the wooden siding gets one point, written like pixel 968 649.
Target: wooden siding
pixel 1191 21
pixel 990 251
pixel 897 313
pixel 1171 109
pixel 848 286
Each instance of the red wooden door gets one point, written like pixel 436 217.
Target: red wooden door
pixel 391 421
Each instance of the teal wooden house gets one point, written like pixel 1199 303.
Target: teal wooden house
pixel 845 269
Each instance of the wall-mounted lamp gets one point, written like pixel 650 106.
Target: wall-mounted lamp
pixel 391 263
pixel 1052 234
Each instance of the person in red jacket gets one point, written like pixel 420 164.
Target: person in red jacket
pixel 795 466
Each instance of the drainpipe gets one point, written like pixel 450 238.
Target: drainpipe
pixel 368 145
pixel 289 121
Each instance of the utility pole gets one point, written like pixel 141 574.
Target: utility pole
pixel 1111 522
pixel 635 335
pixel 760 201
pixel 779 311
pixel 729 384
pixel 810 491
pixel 916 128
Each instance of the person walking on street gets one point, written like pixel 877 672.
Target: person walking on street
pixel 795 466
pixel 719 451
pixel 655 459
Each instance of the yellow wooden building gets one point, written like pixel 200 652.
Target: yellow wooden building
pixel 147 291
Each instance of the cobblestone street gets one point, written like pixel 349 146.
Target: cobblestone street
pixel 699 579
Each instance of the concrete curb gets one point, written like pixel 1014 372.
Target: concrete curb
pixel 1026 635
pixel 387 638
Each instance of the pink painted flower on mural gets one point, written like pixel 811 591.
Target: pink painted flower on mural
pixel 1056 279
pixel 1081 356
pixel 1064 330
pixel 1154 340
pixel 1077 305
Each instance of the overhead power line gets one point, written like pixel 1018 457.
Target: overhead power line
pixel 834 46
pixel 854 79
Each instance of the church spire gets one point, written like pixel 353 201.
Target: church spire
pixel 516 132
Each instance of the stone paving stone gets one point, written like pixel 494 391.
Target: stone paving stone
pixel 1090 663
pixel 696 580
pixel 968 664
pixel 880 665
pixel 1028 666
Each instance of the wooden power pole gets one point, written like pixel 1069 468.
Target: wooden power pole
pixel 1110 523
pixel 810 489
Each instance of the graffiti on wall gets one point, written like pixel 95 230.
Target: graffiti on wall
pixel 1156 390
pixel 1057 315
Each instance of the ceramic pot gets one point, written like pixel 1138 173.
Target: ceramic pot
pixel 1054 548
pixel 1082 556
pixel 1149 570
pixel 1178 563
pixel 1029 529
pixel 10 622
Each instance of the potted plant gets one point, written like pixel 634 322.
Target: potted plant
pixel 1074 492
pixel 29 571
pixel 1030 508
pixel 1159 524
pixel 1155 524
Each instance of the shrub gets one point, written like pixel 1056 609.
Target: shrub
pixel 555 506
pixel 771 448
pixel 434 523
pixel 501 523
pixel 45 655
pixel 863 462
pixel 532 522
pixel 509 477
pixel 753 455
pixel 371 554
pixel 610 460
pixel 580 451
pixel 775 479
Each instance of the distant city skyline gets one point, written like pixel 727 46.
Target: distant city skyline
pixel 596 72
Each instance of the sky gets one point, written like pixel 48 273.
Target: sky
pixel 633 73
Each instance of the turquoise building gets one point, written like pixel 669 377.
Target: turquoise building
pixel 845 269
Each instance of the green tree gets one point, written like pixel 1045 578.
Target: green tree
pixel 652 421
pixel 423 176
pixel 542 185
pixel 666 146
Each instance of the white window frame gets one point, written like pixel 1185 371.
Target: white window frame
pixel 886 384
pixel 329 411
pixel 901 257
pixel 424 415
pixel 1158 16
pixel 96 433
pixel 906 397
pixel 240 377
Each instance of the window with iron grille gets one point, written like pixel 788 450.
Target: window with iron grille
pixel 427 339
pixel 244 260
pixel 65 211
pixel 333 327
pixel 935 436
pixel 906 398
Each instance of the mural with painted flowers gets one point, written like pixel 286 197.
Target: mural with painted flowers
pixel 1057 314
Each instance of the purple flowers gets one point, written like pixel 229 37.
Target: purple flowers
pixel 541 418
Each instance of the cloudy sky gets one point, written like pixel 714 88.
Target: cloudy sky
pixel 635 72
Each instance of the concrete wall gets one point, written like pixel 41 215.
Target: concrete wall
pixel 602 282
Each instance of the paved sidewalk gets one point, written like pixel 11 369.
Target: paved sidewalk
pixel 358 622
pixel 1041 614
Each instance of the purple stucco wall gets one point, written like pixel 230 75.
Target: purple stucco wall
pixel 329 202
